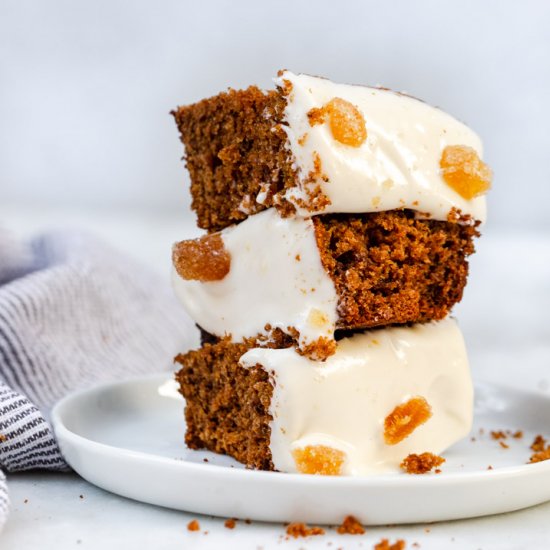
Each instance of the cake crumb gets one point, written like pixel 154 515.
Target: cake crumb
pixel 193 525
pixel 489 467
pixel 3 438
pixel 539 443
pixel 205 460
pixel 350 526
pixel 299 529
pixel 540 456
pixel 303 139
pixel 504 445
pixel 384 544
pixel 230 523
pixel 81 497
pixel 422 463
pixel 405 418
pixel 505 434
pixel 248 521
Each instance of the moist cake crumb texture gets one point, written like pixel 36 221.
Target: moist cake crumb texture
pixel 227 407
pixel 247 156
pixel 391 268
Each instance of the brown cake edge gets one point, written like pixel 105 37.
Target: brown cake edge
pixel 227 405
pixel 235 147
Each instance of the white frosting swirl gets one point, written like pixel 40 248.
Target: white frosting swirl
pixel 398 164
pixel 343 402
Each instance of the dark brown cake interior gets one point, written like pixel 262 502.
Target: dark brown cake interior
pixel 227 406
pixel 390 268
pixel 234 143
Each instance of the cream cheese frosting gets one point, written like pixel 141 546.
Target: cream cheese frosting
pixel 342 403
pixel 276 278
pixel 396 167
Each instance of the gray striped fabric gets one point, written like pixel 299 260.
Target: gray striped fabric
pixel 73 312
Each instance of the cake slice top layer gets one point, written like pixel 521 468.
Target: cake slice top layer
pixel 361 149
pixel 312 146
pixel 383 395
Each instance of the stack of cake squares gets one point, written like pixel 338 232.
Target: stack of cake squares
pixel 338 221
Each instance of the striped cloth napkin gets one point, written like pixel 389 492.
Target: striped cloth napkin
pixel 73 312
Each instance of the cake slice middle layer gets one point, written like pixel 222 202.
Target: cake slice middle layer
pixel 311 276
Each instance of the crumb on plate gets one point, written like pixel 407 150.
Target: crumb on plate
pixel 384 544
pixel 422 463
pixel 299 529
pixel 350 526
pixel 193 525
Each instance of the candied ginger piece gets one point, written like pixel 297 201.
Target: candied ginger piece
pixel 464 171
pixel 405 418
pixel 422 463
pixel 319 459
pixel 346 121
pixel 204 259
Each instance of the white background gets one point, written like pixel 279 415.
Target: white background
pixel 86 87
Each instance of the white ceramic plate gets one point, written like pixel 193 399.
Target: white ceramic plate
pixel 128 438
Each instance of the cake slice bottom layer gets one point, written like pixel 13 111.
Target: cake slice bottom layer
pixel 385 394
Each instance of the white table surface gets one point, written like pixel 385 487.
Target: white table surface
pixel 504 319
